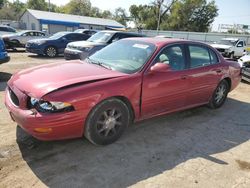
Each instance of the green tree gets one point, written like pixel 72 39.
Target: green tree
pixel 37 4
pixel 77 7
pixel 199 19
pixel 107 14
pixel 120 16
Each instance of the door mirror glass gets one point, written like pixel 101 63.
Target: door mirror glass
pixel 160 67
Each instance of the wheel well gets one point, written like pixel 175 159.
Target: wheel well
pixel 229 82
pixel 128 104
pixel 45 49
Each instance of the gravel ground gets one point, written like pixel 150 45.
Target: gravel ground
pixel 193 148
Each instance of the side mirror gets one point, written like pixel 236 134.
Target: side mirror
pixel 160 67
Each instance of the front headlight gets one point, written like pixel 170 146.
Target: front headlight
pixel 40 42
pixel 49 106
pixel 85 49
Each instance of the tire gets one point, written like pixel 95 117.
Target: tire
pixel 51 51
pixel 231 55
pixel 107 121
pixel 219 96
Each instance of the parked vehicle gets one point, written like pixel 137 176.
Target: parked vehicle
pixel 244 61
pixel 129 80
pixel 89 32
pixel 55 44
pixel 21 38
pixel 3 54
pixel 83 49
pixel 230 47
pixel 4 29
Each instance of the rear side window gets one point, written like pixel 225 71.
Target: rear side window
pixel 213 57
pixel 76 37
pixel 199 56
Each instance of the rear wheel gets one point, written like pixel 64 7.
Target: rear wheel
pixel 107 121
pixel 51 51
pixel 219 95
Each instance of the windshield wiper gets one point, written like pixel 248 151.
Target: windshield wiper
pixel 96 62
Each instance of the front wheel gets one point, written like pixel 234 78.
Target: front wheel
pixel 107 121
pixel 51 51
pixel 220 94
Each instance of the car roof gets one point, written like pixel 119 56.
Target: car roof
pixel 114 31
pixel 160 42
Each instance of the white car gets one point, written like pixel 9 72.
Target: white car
pixel 21 38
pixel 230 47
pixel 244 62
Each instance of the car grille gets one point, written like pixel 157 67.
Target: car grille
pixel 13 97
pixel 221 50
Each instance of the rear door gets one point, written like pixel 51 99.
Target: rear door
pixel 205 72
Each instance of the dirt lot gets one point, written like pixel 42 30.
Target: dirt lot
pixel 194 148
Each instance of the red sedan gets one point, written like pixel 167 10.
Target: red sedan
pixel 129 80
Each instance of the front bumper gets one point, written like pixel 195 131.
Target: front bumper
pixel 4 58
pixel 35 49
pixel 61 125
pixel 72 54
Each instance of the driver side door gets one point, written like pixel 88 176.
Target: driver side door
pixel 166 91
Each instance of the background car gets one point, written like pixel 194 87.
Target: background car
pixel 83 49
pixel 21 38
pixel 129 80
pixel 89 32
pixel 244 61
pixel 4 29
pixel 3 54
pixel 55 44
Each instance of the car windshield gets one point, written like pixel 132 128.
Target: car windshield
pixel 228 42
pixel 101 37
pixel 58 35
pixel 127 56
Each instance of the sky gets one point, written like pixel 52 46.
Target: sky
pixel 230 11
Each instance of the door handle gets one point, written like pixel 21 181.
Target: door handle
pixel 184 77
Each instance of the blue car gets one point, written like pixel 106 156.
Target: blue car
pixel 3 54
pixel 55 44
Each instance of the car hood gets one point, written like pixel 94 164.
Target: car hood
pixel 40 80
pixel 245 58
pixel 86 44
pixel 10 35
pixel 221 46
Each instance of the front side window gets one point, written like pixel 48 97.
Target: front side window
pixel 240 44
pixel 199 56
pixel 127 56
pixel 174 56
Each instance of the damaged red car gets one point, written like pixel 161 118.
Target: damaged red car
pixel 127 81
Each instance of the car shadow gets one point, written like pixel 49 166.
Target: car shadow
pixel 19 50
pixel 146 149
pixel 5 76
pixel 35 56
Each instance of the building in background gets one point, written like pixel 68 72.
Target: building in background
pixel 55 22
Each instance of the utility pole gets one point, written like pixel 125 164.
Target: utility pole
pixel 159 2
pixel 49 6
